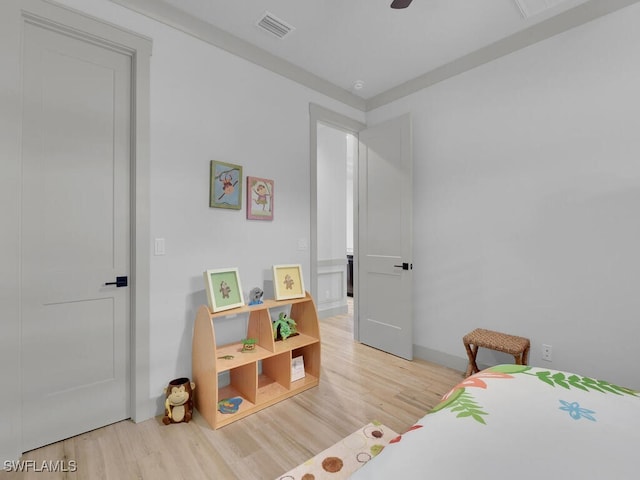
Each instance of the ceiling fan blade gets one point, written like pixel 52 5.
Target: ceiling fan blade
pixel 400 3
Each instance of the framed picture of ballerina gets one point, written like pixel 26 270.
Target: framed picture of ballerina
pixel 259 198
pixel 225 190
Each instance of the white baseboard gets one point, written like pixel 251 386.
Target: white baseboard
pixel 330 312
pixel 445 359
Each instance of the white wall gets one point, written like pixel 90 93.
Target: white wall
pixel 527 194
pixel 205 104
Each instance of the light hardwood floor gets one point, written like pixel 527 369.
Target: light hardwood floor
pixel 358 384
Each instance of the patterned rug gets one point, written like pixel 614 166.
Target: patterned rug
pixel 345 457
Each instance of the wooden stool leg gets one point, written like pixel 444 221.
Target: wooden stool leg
pixel 522 358
pixel 472 351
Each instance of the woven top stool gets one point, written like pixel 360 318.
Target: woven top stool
pixel 501 342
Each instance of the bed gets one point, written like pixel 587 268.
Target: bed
pixel 520 422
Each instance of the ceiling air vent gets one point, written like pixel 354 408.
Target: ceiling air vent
pixel 530 8
pixel 272 24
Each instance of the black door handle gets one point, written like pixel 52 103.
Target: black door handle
pixel 405 266
pixel 120 282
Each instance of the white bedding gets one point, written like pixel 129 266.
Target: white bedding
pixel 520 422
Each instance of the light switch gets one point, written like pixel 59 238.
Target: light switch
pixel 159 247
pixel 302 244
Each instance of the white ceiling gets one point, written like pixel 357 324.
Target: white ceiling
pixel 343 41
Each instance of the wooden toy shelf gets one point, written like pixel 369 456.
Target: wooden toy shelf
pixel 258 389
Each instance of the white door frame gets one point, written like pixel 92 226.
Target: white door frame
pixel 75 23
pixel 318 114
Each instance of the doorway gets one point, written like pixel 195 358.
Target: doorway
pixel 336 153
pixel 382 260
pixel 333 152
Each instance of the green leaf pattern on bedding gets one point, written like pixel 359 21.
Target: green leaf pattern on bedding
pixel 582 383
pixel 467 407
pixel 462 402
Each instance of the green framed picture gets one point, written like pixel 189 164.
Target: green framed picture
pixel 223 288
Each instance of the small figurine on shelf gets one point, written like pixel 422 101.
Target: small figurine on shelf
pixel 255 296
pixel 284 327
pixel 248 344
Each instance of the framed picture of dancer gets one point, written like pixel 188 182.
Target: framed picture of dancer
pixel 225 188
pixel 259 198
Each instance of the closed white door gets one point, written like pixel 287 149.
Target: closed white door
pixel 384 251
pixel 75 235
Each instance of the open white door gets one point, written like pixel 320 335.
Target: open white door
pixel 384 245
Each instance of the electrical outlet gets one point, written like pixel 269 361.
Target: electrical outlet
pixel 547 350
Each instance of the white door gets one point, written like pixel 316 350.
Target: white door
pixel 384 250
pixel 75 236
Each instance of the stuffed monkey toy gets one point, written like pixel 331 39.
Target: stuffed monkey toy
pixel 178 406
